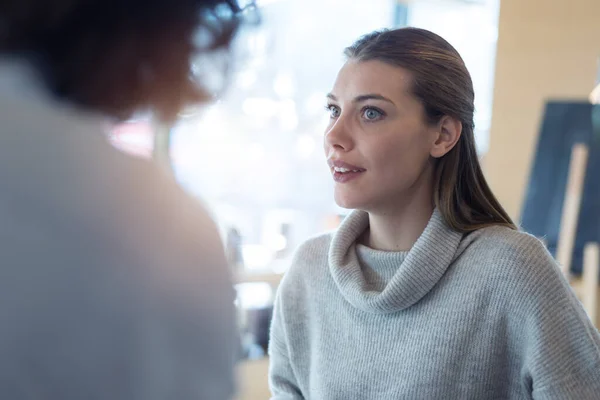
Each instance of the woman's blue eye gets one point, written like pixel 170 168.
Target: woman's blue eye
pixel 372 114
pixel 334 111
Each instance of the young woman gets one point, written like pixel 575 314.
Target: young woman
pixel 427 290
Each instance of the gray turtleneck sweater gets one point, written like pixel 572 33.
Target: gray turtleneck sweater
pixel 486 315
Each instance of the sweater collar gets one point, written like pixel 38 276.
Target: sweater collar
pixel 417 271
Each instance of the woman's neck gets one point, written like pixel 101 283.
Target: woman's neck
pixel 396 232
pixel 398 227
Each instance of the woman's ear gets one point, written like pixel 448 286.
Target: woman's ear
pixel 449 130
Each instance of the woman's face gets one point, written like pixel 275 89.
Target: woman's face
pixel 377 143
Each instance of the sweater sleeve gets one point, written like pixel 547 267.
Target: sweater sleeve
pixel 282 380
pixel 562 346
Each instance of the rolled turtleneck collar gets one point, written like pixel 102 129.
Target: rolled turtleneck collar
pixel 384 282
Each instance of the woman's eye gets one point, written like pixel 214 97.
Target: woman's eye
pixel 372 114
pixel 334 111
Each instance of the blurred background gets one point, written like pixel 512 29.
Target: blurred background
pixel 255 156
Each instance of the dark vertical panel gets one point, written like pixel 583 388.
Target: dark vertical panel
pixel 563 125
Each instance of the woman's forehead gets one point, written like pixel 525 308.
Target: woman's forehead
pixel 357 78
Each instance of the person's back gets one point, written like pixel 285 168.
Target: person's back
pixel 113 281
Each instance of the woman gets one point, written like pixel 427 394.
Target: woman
pixel 113 282
pixel 427 290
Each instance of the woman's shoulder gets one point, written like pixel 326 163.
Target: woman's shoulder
pixel 507 244
pixel 315 248
pixel 510 252
pixel 309 260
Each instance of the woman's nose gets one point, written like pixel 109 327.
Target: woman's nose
pixel 338 136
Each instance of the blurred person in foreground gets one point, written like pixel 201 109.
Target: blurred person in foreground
pixel 113 282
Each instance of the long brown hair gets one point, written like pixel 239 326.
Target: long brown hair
pixel 444 87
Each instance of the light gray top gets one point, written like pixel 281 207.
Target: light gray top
pixel 486 315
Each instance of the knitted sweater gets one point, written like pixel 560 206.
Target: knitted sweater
pixel 486 315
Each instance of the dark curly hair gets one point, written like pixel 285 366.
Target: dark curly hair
pixel 118 56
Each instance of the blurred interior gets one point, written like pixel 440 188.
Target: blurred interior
pixel 254 157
